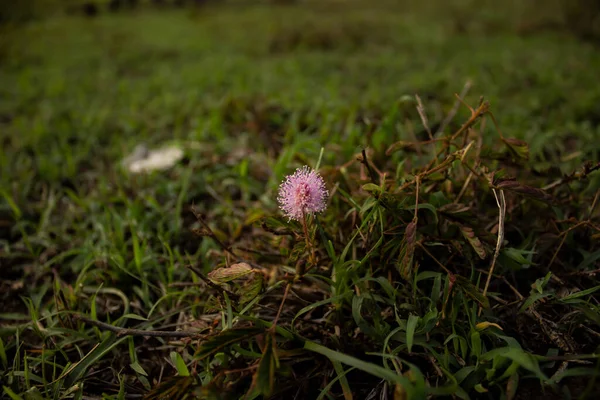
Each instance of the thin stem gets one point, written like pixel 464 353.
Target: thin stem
pixel 455 107
pixel 434 259
pixel 417 181
pixel 365 162
pixel 421 111
pixel 501 202
pixel 309 245
pixel 138 332
pixel 285 295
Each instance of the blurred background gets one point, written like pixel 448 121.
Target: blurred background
pixel 579 17
pixel 103 75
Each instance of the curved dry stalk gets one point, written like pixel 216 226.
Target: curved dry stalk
pixel 138 332
pixel 501 202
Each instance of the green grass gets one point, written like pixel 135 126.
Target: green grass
pixel 397 304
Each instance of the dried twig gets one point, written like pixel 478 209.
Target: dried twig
pixel 577 175
pixel 421 111
pixel 285 295
pixel 501 202
pixel 454 108
pixel 365 162
pixel 138 332
pixel 442 266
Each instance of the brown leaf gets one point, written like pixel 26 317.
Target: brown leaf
pixel 223 275
pixel 410 234
pixel 454 208
pixel 264 377
pixel 400 145
pixel 473 240
pixel 201 232
pixel 512 185
pixel 511 386
pixel 400 392
pixel 518 147
pixel 410 238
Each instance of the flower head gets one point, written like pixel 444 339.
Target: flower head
pixel 301 193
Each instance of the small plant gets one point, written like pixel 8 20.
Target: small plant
pixel 303 194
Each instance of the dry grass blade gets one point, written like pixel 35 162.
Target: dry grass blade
pixel 455 108
pixel 424 120
pixel 501 202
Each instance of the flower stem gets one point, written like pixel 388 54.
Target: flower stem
pixel 309 246
pixel 285 295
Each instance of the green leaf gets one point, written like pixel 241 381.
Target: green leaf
pixel 464 372
pixel 14 316
pixel 177 360
pixel 11 394
pixel 34 393
pixel 518 255
pixel 15 209
pixel 265 374
pixel 476 344
pixel 78 370
pixel 224 275
pixel 588 260
pixel 251 289
pixel 134 316
pixel 138 368
pixel 517 147
pixel 370 368
pixel 532 299
pixel 274 224
pixel 541 283
pixel 472 291
pixel 577 371
pixel 328 300
pixel 480 389
pixel 411 326
pixel 341 376
pixel 425 206
pixel 525 360
pixel 3 357
pixel 590 311
pixel 579 294
pixel 371 188
pixel 427 275
pixel 224 339
pixel 357 303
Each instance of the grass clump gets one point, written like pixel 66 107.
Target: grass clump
pixel 447 266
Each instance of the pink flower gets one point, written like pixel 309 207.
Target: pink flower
pixel 304 192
